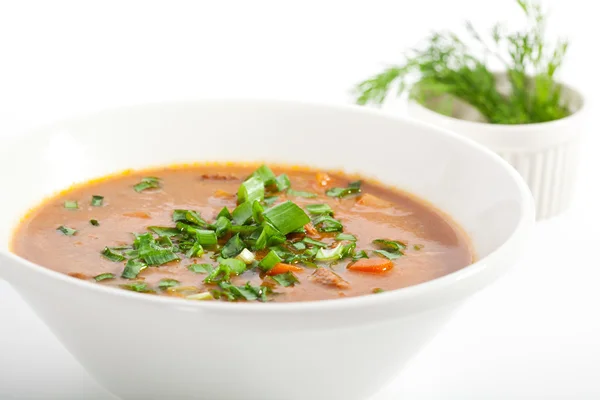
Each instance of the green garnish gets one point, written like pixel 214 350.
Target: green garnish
pixel 194 218
pixel 242 213
pixel 71 205
pixel 97 201
pixel 105 276
pixel 167 283
pixel 299 246
pixel 233 247
pixel 319 209
pixel 286 279
pixel 286 217
pixel 164 231
pixel 65 230
pixel 133 268
pixel 330 254
pixel 283 183
pixel 252 189
pixel 140 287
pixel 326 223
pixel 390 249
pixel 150 182
pixel 200 268
pixel 314 242
pixel 418 246
pixel 299 193
pixel 224 213
pixel 94 222
pixel 222 226
pixel 269 261
pixel 269 236
pixel 345 236
pixel 269 201
pixel 352 189
pixel 378 290
pixel 112 255
pixel 265 175
pixel 449 68
pixel 359 254
pixel 246 292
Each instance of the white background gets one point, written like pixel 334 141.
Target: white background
pixel 533 335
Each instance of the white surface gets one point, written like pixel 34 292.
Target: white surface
pixel 532 335
pixel 159 341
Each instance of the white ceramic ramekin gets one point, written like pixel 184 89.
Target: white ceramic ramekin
pixel 149 347
pixel 545 154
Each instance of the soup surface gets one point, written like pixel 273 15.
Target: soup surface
pixel 238 233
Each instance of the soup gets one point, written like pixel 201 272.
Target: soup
pixel 240 233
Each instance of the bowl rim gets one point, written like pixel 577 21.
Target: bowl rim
pixel 578 114
pixel 524 224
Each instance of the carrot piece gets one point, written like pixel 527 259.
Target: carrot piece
pixel 222 193
pixel 323 179
pixel 281 268
pixel 311 230
pixel 137 214
pixel 373 265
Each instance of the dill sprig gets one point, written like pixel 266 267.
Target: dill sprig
pixel 446 66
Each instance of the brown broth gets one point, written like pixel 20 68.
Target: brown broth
pixel 388 214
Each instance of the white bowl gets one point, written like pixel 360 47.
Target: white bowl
pixel 545 154
pixel 139 346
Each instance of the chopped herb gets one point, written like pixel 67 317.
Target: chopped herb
pixel 233 247
pixel 299 193
pixel 378 290
pixel 325 223
pixel 206 237
pixel 314 242
pixel 200 268
pixel 71 205
pixel 360 254
pixel 265 174
pixel 195 251
pixel 388 254
pixel 167 283
pixel 200 296
pixel 330 254
pixel 246 256
pixel 286 217
pixel 390 249
pixel 286 279
pixel 299 246
pixel 352 189
pixel 140 287
pixel 283 183
pixel 133 268
pixel 224 213
pixel 112 255
pixel 242 213
pixel 194 218
pixel 94 222
pixel 269 201
pixel 65 230
pixel 164 231
pixel 180 215
pixel 319 209
pixel 236 266
pixel 222 226
pixel 252 189
pixel 158 256
pixel 269 261
pixel 345 236
pixel 104 276
pixel 97 201
pixel 149 182
pixel 418 246
pixel 269 236
pixel 246 292
pixel 257 212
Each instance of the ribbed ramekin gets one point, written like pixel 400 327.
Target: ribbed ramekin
pixel 545 154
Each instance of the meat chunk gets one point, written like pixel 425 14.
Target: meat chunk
pixel 327 277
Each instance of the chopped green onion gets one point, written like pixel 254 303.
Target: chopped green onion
pixel 233 247
pixel 265 174
pixel 244 229
pixel 286 217
pixel 200 296
pixel 200 268
pixel 179 215
pixel 325 223
pixel 283 182
pixel 195 251
pixel 314 242
pixel 218 274
pixel 206 237
pixel 194 218
pixel 388 254
pixel 352 189
pixel 167 283
pixel 250 190
pixel 222 226
pixel 257 212
pixel 345 236
pixel 270 200
pixel 299 193
pixel 246 292
pixel 330 254
pixel 319 209
pixel 299 246
pixel 236 266
pixel 104 276
pixel 71 205
pixel 164 231
pixel 149 182
pixel 246 256
pixel 112 255
pixel 158 257
pixel 224 213
pixel 348 249
pixel 94 222
pixel 269 236
pixel 242 213
pixel 141 287
pixel 286 279
pixel 65 230
pixel 132 269
pixel 269 261
pixel 97 201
